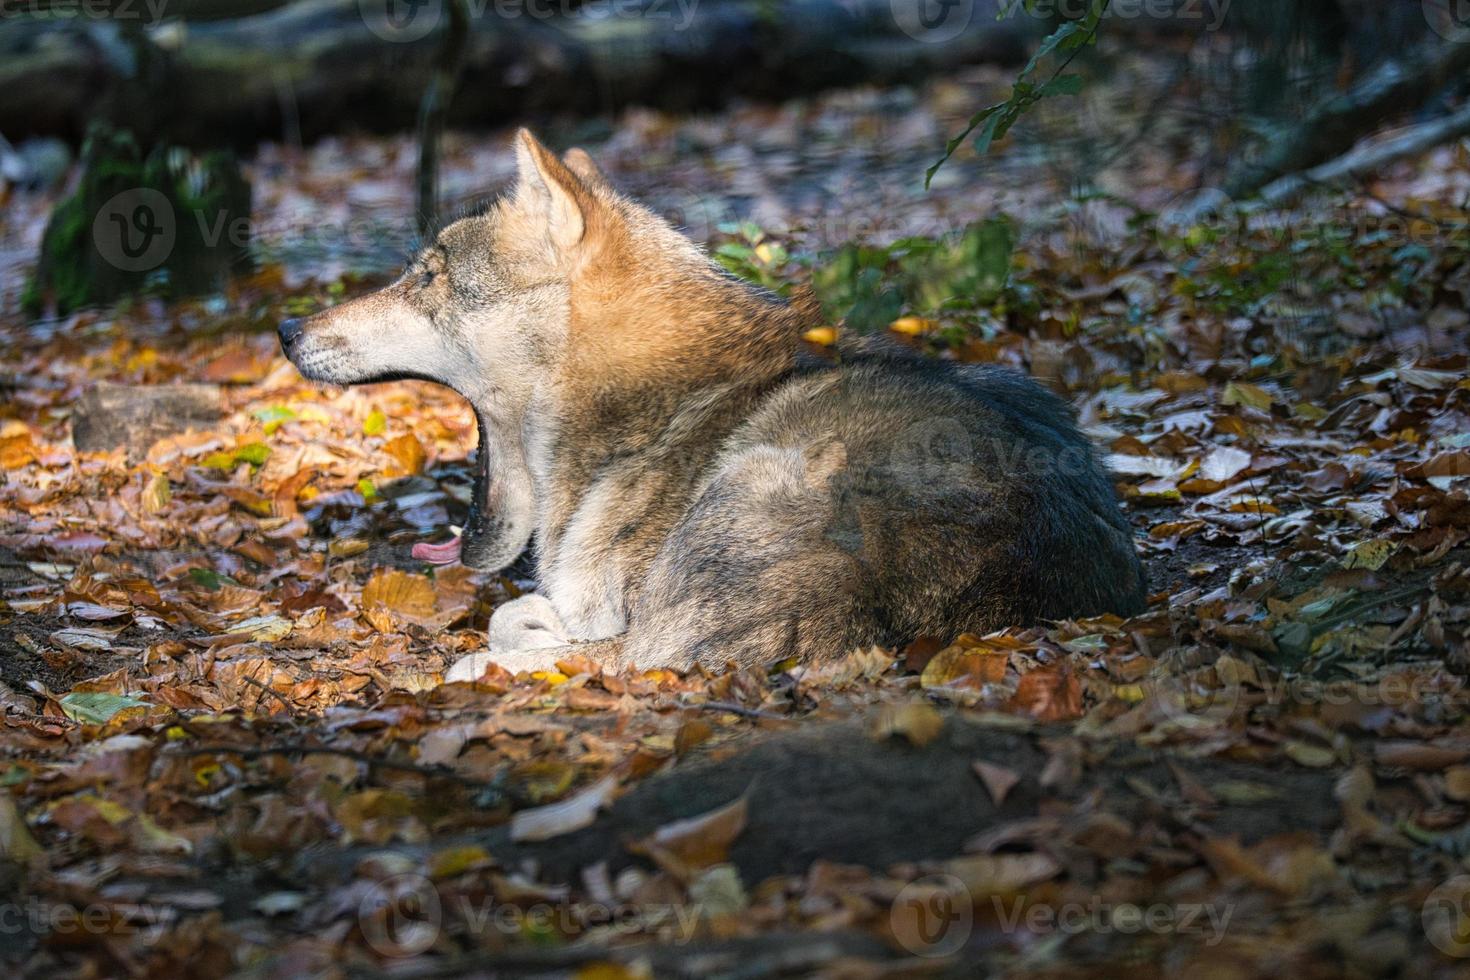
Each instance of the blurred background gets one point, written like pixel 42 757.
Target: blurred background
pixel 186 148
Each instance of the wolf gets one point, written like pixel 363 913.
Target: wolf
pixel 697 486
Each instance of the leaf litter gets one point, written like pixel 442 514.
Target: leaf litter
pixel 223 657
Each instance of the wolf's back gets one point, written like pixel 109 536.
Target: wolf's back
pixel 967 499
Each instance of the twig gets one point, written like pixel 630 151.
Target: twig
pixel 269 690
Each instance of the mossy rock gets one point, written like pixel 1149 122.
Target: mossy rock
pixel 167 223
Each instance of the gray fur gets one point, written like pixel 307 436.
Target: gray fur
pixel 696 490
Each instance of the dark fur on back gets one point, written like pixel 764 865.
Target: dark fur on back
pixel 934 499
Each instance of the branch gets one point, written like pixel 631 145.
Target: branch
pixel 1367 159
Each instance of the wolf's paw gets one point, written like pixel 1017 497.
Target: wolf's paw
pixel 469 668
pixel 527 623
pixel 473 667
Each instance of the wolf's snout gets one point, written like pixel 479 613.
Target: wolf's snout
pixel 289 331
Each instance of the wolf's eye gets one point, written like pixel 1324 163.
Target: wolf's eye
pixel 426 277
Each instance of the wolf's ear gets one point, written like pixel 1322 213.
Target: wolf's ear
pixel 580 162
pixel 547 187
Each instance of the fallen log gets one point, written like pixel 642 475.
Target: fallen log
pixel 1368 158
pixel 1333 126
pixel 833 792
pixel 321 66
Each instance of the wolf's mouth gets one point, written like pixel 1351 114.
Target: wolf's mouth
pixel 471 546
pixel 477 527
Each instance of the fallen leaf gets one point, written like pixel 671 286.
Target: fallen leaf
pixel 564 816
pixel 998 780
pixel 916 721
pixel 97 707
pixel 697 842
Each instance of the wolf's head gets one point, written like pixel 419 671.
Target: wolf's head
pixel 554 286
pixel 487 305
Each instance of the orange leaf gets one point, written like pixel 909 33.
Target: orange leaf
pixel 407 452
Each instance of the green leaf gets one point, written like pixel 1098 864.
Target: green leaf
pixel 274 417
pixel 374 424
pixel 1062 85
pixel 97 707
pixel 1051 42
pixel 208 578
pixel 255 453
pixel 997 119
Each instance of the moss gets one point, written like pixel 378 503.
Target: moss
pixel 96 250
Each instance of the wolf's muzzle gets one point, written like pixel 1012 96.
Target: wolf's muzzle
pixel 289 332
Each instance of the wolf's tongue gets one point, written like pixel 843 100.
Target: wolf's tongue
pixel 438 554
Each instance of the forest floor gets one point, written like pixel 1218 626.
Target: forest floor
pixel 225 745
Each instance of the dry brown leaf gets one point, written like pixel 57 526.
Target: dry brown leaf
pixel 688 845
pixel 405 595
pixel 564 816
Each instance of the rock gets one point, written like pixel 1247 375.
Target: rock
pixel 134 417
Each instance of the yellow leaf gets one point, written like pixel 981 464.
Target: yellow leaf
pixel 1369 554
pixel 916 721
pixel 1132 693
pixel 911 326
pixel 455 861
pixel 959 666
pixel 265 629
pixel 826 336
pixel 375 423
pixel 1253 396
pixel 544 781
pixel 1312 756
pixel 157 494
pixel 16 842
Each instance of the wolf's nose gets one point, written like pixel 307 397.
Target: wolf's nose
pixel 289 331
